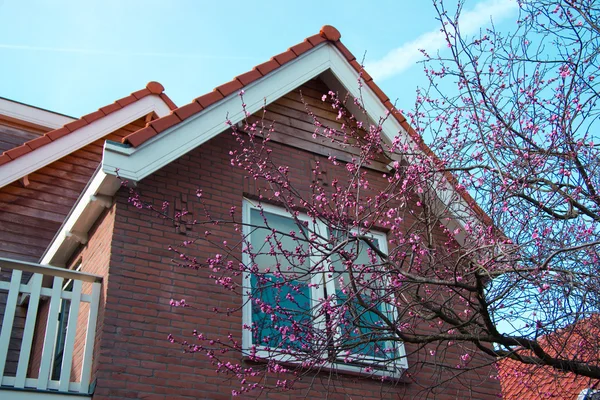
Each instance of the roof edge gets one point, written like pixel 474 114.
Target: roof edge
pixel 84 211
pixel 51 149
pixel 70 127
pixel 327 33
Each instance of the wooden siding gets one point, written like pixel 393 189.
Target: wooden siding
pixel 30 216
pixel 295 127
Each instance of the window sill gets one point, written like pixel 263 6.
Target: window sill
pixel 392 373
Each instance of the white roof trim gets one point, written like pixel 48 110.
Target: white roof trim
pixel 33 115
pixel 136 163
pixel 83 136
pixel 83 215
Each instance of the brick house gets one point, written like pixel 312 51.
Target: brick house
pixel 72 244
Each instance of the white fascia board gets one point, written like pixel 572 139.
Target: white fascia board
pixel 33 115
pixel 57 149
pixel 136 163
pixel 83 215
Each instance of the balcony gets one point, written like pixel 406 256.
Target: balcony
pixel 48 329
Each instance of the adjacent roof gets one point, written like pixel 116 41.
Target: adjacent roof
pixel 526 381
pixel 31 145
pixel 327 34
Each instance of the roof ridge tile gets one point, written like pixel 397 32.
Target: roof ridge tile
pixel 229 87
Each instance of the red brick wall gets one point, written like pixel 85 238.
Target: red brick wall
pixel 95 259
pixel 137 360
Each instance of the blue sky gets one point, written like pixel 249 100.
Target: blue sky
pixel 74 56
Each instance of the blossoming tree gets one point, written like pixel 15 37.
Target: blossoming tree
pixel 403 259
pixel 520 134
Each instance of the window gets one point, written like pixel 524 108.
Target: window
pixel 360 318
pixel 274 311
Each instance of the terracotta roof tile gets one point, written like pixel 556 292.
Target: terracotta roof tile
pixel 73 126
pixel 330 33
pixel 208 99
pixel 39 142
pixel 531 381
pixel 359 68
pixel 284 57
pixel 127 100
pixel 397 114
pixel 327 33
pixel 345 52
pixel 227 88
pixel 267 67
pixel 155 87
pixel 316 39
pixel 249 77
pixel 141 136
pixel 168 100
pixel 111 108
pixel 57 133
pixel 91 117
pixel 301 47
pixel 165 122
pixel 188 110
pixel 151 88
pixel 138 94
pixel 17 151
pixel 378 92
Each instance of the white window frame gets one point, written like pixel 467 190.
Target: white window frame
pixel 247 304
pixel 587 393
pixel 392 369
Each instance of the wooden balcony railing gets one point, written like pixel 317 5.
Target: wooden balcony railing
pixel 48 327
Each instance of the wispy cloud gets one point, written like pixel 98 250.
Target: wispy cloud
pixel 98 52
pixel 405 56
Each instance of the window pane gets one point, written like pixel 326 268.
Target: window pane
pixel 283 285
pixel 291 319
pixel 292 255
pixel 360 323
